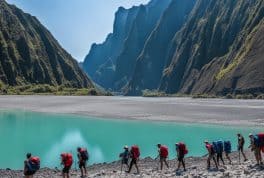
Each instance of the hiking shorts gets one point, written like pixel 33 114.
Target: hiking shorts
pixel 82 164
pixel 241 148
pixel 66 169
pixel 124 161
pixel 29 173
pixel 162 158
pixel 180 158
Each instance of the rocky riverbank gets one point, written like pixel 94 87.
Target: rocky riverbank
pixel 196 167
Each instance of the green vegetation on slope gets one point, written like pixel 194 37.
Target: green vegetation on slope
pixel 31 56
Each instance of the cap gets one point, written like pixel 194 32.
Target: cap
pixel 125 147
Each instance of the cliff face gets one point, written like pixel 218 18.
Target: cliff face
pixel 151 62
pixel 192 47
pixel 29 54
pixel 111 63
pixel 101 60
pixel 219 50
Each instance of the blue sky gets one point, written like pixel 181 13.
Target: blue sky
pixel 76 24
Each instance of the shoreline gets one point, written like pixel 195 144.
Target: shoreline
pixel 196 167
pixel 182 110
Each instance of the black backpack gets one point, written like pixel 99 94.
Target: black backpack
pixel 84 154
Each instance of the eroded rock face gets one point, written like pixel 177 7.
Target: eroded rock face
pixel 195 47
pixel 29 54
pixel 219 50
pixel 150 64
pixel 111 64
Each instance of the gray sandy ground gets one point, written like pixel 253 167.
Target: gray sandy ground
pixel 196 167
pixel 215 111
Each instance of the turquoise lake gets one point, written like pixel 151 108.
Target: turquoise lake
pixel 47 135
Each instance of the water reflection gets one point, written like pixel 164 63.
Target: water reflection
pixel 68 143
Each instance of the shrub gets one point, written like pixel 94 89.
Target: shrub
pixel 153 93
pixel 229 96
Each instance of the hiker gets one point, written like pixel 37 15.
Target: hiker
pixel 124 157
pixel 211 154
pixel 255 147
pixel 181 152
pixel 219 148
pixel 227 150
pixel 66 161
pixel 240 146
pixel 134 155
pixel 163 155
pixel 31 165
pixel 83 157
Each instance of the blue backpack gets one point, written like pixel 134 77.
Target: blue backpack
pixel 257 140
pixel 218 146
pixel 33 164
pixel 227 146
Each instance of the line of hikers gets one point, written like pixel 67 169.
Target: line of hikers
pixel 130 156
pixel 32 163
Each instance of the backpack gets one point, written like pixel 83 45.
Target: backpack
pixel 261 139
pixel 164 152
pixel 67 159
pixel 215 147
pixel 135 152
pixel 183 148
pixel 256 140
pixel 220 146
pixel 33 164
pixel 227 146
pixel 84 154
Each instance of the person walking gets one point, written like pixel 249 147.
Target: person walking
pixel 240 146
pixel 83 157
pixel 66 161
pixel 219 151
pixel 163 155
pixel 255 147
pixel 124 157
pixel 181 151
pixel 228 150
pixel 211 155
pixel 31 165
pixel 134 155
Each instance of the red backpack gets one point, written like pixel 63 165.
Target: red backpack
pixel 183 148
pixel 164 152
pixel 261 139
pixel 67 159
pixel 135 152
pixel 33 164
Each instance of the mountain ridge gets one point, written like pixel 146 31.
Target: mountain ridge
pixel 196 47
pixel 29 54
